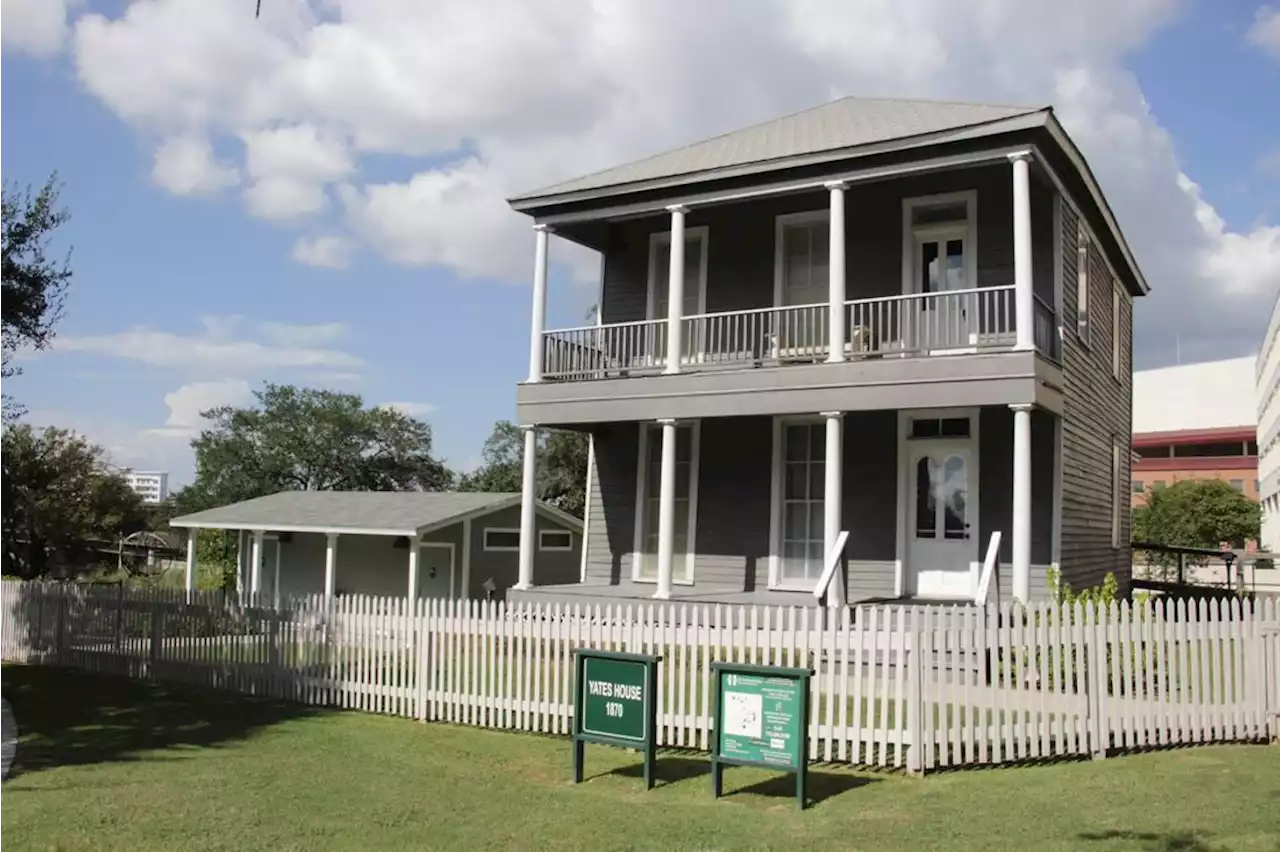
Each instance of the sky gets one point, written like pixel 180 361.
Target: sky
pixel 316 195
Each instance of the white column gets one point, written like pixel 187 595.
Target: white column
pixel 836 271
pixel 1023 292
pixel 330 564
pixel 833 468
pixel 275 579
pixel 255 563
pixel 666 509
pixel 1021 502
pixel 675 289
pixel 191 560
pixel 539 321
pixel 528 507
pixel 415 546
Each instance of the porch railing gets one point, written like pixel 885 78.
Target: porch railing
pixel 920 324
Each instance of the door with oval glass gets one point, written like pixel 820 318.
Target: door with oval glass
pixel 941 528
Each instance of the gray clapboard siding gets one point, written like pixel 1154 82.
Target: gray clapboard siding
pixel 1097 413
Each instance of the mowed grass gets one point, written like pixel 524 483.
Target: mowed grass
pixel 112 764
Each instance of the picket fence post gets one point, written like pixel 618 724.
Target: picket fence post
pixel 59 648
pixel 915 699
pixel 1096 678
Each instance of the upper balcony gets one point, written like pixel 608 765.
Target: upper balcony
pixel 864 254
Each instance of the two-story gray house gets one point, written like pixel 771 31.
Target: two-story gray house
pixel 908 321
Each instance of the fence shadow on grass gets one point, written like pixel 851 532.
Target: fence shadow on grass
pixel 676 770
pixel 1174 841
pixel 66 718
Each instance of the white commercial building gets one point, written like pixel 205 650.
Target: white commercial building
pixel 1267 377
pixel 151 485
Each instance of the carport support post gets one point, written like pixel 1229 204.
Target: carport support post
pixel 415 545
pixel 528 506
pixel 330 558
pixel 190 583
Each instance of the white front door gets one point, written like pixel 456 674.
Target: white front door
pixel 435 572
pixel 946 319
pixel 941 540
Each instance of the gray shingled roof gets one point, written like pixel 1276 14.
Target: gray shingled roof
pixel 846 123
pixel 392 512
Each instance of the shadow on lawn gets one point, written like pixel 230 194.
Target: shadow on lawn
pixel 1176 841
pixel 66 717
pixel 822 785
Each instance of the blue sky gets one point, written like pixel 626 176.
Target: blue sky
pixel 199 146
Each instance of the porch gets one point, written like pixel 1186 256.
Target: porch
pixel 752 518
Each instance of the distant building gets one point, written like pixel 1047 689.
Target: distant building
pixel 151 485
pixel 1195 421
pixel 1267 380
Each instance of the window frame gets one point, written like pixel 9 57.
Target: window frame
pixel 911 234
pixel 1117 452
pixel 777 499
pixel 1084 328
pixel 699 233
pixel 781 223
pixel 484 541
pixel 542 547
pixel 1117 314
pixel 642 498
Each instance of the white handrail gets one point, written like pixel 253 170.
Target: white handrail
pixel 829 572
pixel 990 573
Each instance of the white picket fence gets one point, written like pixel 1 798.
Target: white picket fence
pixel 970 686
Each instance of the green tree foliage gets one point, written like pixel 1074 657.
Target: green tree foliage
pixel 301 439
pixel 562 466
pixel 59 500
pixel 34 285
pixel 1196 513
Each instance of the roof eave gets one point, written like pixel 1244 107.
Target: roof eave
pixel 1081 166
pixel 540 198
pixel 190 522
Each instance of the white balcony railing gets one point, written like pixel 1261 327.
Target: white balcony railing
pixel 915 325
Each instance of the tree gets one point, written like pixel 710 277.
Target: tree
pixel 301 439
pixel 59 500
pixel 1205 513
pixel 34 285
pixel 562 466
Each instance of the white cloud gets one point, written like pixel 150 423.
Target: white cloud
pixel 187 403
pixel 216 350
pixel 328 252
pixel 1265 32
pixel 37 27
pixel 505 96
pixel 185 165
pixel 410 409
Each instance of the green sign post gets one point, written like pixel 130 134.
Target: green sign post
pixel 761 718
pixel 615 703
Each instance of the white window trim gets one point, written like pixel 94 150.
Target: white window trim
pixel 910 281
pixel 499 549
pixel 806 217
pixel 1116 453
pixel 1117 313
pixel 695 441
pixel 543 546
pixel 1084 324
pixel 781 421
pixel 702 234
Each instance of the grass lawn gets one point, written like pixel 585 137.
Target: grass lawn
pixel 112 764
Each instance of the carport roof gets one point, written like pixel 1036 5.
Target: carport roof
pixel 360 512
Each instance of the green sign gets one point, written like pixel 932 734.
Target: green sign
pixel 615 698
pixel 761 719
pixel 615 704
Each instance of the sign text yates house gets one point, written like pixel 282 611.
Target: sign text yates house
pixel 615 701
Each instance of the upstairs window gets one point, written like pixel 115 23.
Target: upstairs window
pixel 1115 332
pixel 1082 281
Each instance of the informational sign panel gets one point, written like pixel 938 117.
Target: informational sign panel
pixel 761 719
pixel 614 704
